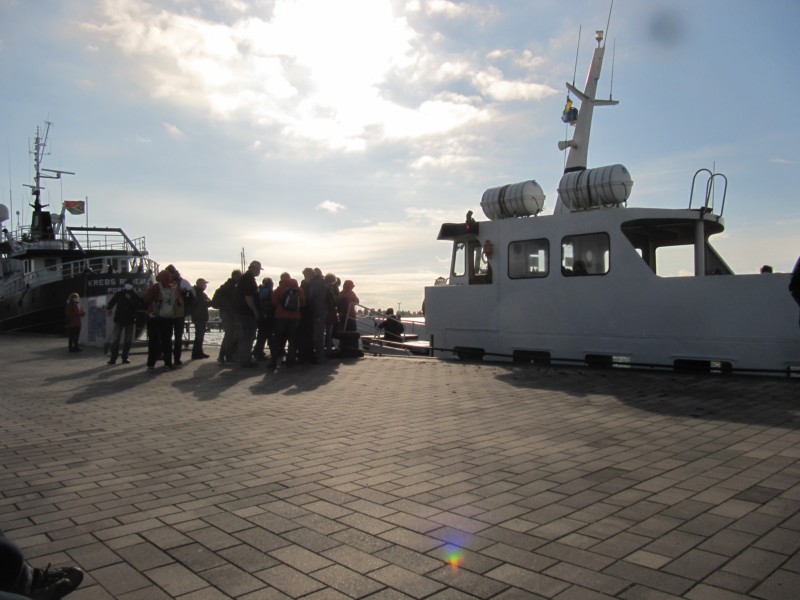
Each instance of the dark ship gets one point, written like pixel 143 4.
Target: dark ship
pixel 43 263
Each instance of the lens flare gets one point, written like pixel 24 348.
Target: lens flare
pixel 455 556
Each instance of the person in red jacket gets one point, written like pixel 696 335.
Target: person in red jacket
pixel 287 299
pixel 74 313
pixel 162 300
pixel 346 306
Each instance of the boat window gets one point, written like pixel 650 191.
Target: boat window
pixel 479 261
pixel 528 258
pixel 481 271
pixel 585 254
pixel 459 259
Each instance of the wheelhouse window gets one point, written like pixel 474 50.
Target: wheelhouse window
pixel 459 259
pixel 583 255
pixel 480 271
pixel 470 264
pixel 480 263
pixel 528 258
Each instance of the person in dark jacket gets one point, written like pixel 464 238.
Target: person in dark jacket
pixel 224 300
pixel 331 318
pixel 393 329
pixel 266 320
pixel 199 314
pixel 247 312
pixel 126 302
pixel 305 329
pixel 316 299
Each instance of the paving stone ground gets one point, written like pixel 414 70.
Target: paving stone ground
pixel 399 478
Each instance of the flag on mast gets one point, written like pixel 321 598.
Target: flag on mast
pixel 75 207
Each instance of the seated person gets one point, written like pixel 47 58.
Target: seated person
pixel 392 327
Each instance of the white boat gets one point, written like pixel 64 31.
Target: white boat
pixel 581 285
pixel 44 262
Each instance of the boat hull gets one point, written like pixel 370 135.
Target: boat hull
pixel 40 309
pixel 736 323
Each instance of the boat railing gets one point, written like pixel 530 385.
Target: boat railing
pixel 106 239
pixel 81 238
pixel 708 203
pixel 71 269
pixel 373 340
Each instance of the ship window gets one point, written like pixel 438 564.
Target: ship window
pixel 459 259
pixel 480 264
pixel 481 270
pixel 528 258
pixel 585 254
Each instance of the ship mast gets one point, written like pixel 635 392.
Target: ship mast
pixel 577 157
pixel 41 221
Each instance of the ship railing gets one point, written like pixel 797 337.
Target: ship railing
pixel 82 238
pixel 710 195
pixel 372 337
pixel 106 238
pixel 71 269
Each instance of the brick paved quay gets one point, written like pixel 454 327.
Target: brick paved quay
pixel 399 478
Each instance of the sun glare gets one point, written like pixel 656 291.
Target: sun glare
pixel 455 557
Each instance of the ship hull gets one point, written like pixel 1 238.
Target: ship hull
pixel 40 309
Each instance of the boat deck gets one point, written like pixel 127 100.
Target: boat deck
pixel 399 478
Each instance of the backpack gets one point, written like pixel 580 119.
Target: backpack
pixel 291 299
pixel 224 297
pixel 166 305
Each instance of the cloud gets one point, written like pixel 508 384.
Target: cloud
pixel 459 10
pixel 328 82
pixel 138 139
pixel 782 161
pixel 330 206
pixel 174 130
pixel 493 84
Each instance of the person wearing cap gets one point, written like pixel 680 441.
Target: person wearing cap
pixel 247 312
pixel 199 314
pixel 127 302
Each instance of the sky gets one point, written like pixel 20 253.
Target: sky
pixel 340 135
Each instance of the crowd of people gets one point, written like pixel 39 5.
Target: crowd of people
pixel 295 321
pixel 288 323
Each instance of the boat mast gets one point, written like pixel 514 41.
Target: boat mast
pixel 41 221
pixel 577 157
